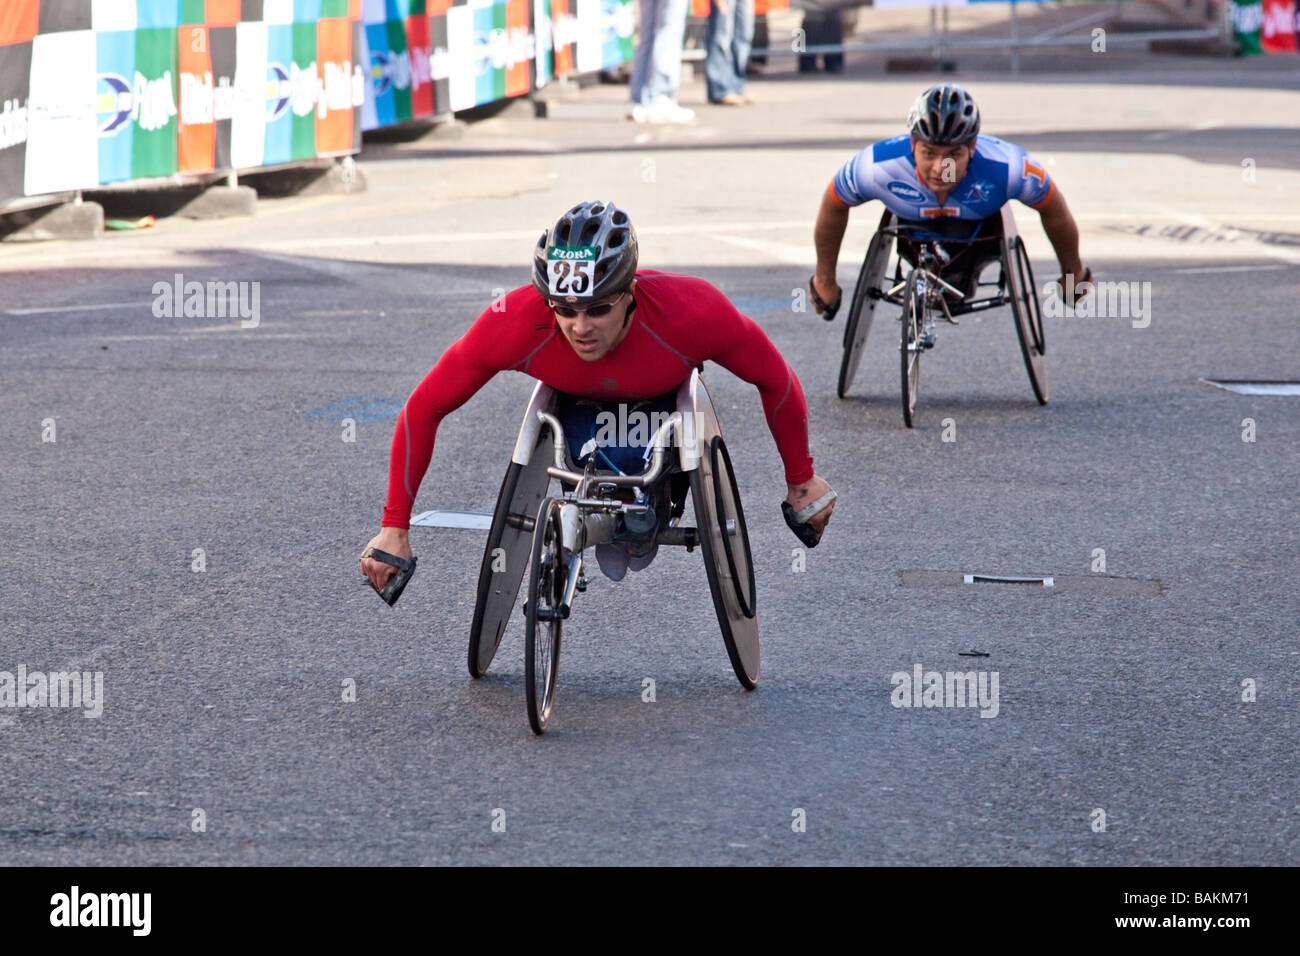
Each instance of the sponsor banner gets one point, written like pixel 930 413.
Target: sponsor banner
pixel 417 43
pixel 255 96
pixel 222 13
pixel 583 36
pixel 462 92
pixel 15 77
pixel 154 110
pixel 115 102
pixel 1247 20
pixel 700 8
pixel 104 91
pixel 439 57
pixel 304 80
pixel 490 51
pixel 890 4
pixel 197 130
pixel 617 25
pixel 107 16
pixel 389 76
pixel 61 128
pixel 589 56
pixel 19 21
pixel 279 93
pixel 1278 32
pixel 359 84
pixel 335 105
pixel 224 46
pixel 397 56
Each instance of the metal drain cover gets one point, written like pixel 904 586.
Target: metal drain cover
pixel 1244 387
pixel 1033 583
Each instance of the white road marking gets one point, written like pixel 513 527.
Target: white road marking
pixel 466 520
pixel 1229 269
pixel 1257 388
pixel 78 308
pixel 1194 128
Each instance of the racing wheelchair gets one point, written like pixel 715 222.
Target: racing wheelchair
pixel 936 252
pixel 545 536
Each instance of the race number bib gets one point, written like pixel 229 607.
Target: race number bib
pixel 571 272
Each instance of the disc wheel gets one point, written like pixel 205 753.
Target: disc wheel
pixel 547 569
pixel 1029 317
pixel 728 562
pixel 505 558
pixel 910 348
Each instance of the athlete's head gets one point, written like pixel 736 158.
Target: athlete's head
pixel 585 267
pixel 943 122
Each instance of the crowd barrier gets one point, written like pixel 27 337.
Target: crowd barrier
pixel 1215 24
pixel 100 92
pixel 1265 26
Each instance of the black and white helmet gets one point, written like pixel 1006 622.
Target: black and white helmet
pixel 944 115
pixel 590 253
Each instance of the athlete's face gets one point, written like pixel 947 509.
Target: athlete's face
pixel 941 167
pixel 595 336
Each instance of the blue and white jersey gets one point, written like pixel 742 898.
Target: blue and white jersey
pixel 998 171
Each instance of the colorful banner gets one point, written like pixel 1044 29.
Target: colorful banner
pixel 583 36
pixel 1247 19
pixel 17 29
pixel 1278 32
pixel 94 92
pixel 490 49
pixel 700 8
pixel 103 91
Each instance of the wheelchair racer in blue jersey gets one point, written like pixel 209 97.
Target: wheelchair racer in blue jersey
pixel 946 177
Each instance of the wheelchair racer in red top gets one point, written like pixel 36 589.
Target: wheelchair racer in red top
pixel 601 333
pixel 943 175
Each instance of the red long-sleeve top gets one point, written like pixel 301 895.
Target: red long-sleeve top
pixel 679 323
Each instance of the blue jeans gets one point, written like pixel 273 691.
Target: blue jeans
pixel 657 65
pixel 730 36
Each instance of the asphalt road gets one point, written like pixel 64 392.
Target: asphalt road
pixel 223 688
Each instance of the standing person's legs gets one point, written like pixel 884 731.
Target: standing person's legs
pixel 666 58
pixel 743 40
pixel 719 67
pixel 641 60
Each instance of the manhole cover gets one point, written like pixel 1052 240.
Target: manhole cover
pixel 1201 234
pixel 1243 387
pixel 1032 583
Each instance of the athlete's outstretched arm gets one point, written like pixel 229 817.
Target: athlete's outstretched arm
pixel 487 348
pixel 828 236
pixel 1063 232
pixel 744 349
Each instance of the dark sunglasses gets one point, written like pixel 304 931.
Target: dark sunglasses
pixel 592 311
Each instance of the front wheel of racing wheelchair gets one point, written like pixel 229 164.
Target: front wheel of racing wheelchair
pixel 530 532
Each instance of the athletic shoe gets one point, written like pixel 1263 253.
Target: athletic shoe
pixel 667 111
pixel 637 113
pixel 640 558
pixel 613 559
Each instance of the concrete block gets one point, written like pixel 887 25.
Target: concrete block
pixel 220 202
pixel 344 178
pixel 64 221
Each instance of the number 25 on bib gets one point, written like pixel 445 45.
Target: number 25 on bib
pixel 571 272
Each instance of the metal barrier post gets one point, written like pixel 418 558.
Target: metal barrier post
pixel 1015 40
